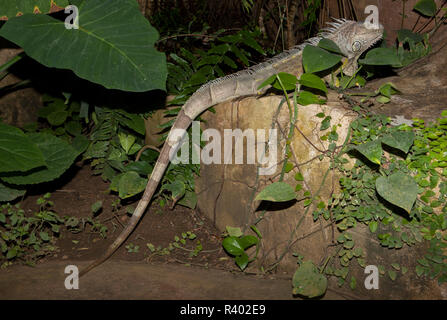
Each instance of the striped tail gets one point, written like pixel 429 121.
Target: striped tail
pixel 182 122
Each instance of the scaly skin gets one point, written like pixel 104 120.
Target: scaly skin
pixel 351 37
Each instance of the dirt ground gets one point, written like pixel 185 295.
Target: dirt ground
pixel 144 274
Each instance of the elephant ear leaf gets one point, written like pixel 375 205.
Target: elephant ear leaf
pixel 10 9
pixel 113 46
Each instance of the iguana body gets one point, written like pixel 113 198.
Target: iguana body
pixel 351 37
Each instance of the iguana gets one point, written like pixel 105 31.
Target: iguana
pixel 353 38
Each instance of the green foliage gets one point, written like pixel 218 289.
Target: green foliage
pixel 426 7
pixel 189 71
pixel 277 192
pixel 411 46
pixel 28 238
pixel 46 155
pixel 100 42
pixel 17 152
pixel 131 248
pixel 178 243
pixel 236 243
pixel 406 177
pixel 308 281
pixel 58 156
pixel 317 59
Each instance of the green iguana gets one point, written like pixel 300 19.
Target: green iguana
pixel 353 38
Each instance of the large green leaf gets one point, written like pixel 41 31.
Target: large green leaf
pixel 316 59
pixel 114 45
pixel 9 194
pixel 381 57
pixel 12 8
pixel 401 140
pixel 276 192
pixel 312 81
pixel 329 45
pixel 308 282
pixel 399 189
pixel 58 155
pixel 128 184
pixel 17 151
pixel 372 150
pixel 232 246
pixel 426 7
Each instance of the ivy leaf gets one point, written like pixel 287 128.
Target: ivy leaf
pixel 401 140
pixel 126 141
pixel 371 150
pixel 326 123
pixel 189 200
pixel 242 261
pixel 399 189
pixel 232 246
pixel 44 236
pixel 392 274
pixel 373 226
pixel 426 7
pixel 234 232
pixel 248 241
pixel 308 282
pixel 128 184
pixel 276 192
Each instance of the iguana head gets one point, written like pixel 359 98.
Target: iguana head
pixel 353 38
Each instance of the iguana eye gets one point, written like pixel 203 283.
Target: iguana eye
pixel 356 46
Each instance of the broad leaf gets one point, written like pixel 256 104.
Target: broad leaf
pixel 114 45
pixel 189 200
pixel 312 81
pixel 248 241
pixel 308 282
pixel 141 167
pixel 426 7
pixel 402 140
pixel 242 261
pixel 58 156
pixel 232 246
pixel 17 151
pixel 329 45
pixel 234 231
pixel 381 57
pixel 316 59
pixel 276 192
pixel 371 150
pixel 399 189
pixel 288 81
pixel 177 189
pixel 9 194
pixel 305 98
pixel 405 35
pixel 128 184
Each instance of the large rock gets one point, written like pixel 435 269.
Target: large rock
pixel 226 195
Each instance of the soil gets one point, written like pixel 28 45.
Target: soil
pixel 144 274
